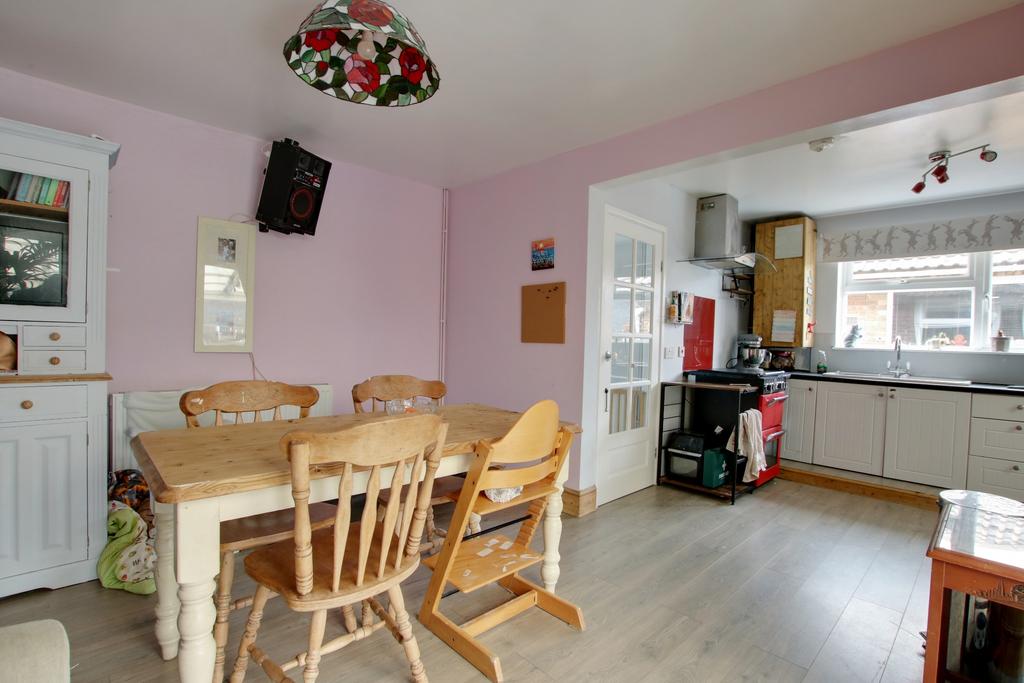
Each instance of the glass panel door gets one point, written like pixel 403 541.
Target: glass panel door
pixel 43 215
pixel 633 319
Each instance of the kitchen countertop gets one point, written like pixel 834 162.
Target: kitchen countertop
pixel 978 388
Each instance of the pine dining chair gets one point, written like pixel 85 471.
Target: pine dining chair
pixel 530 455
pixel 356 562
pixel 375 393
pixel 241 402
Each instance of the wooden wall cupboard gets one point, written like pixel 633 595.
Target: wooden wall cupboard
pixel 53 407
pixel 798 420
pixel 926 433
pixel 849 426
pixel 788 292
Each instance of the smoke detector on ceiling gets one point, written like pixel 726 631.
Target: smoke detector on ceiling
pixel 821 144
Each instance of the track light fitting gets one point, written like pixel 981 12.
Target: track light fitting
pixel 939 168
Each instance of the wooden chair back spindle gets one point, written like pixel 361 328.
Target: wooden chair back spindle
pixel 243 398
pixel 407 448
pixel 382 388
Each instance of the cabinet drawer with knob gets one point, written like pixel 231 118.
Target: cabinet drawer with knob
pixel 997 439
pixel 992 475
pixel 53 336
pixel 52 362
pixel 24 403
pixel 995 407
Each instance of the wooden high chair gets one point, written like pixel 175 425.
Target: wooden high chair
pixel 353 563
pixel 242 400
pixel 380 389
pixel 532 453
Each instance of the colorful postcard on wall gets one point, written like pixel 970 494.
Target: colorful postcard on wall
pixel 225 274
pixel 542 253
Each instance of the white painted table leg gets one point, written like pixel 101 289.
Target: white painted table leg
pixel 167 604
pixel 549 570
pixel 197 541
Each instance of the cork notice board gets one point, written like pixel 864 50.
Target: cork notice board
pixel 543 317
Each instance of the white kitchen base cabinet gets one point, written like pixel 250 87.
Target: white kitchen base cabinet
pixel 798 421
pixel 926 434
pixel 849 426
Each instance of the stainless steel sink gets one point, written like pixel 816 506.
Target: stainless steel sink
pixel 905 379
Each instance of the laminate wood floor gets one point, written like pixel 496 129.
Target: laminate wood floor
pixel 794 583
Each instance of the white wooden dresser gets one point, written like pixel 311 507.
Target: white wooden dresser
pixel 53 407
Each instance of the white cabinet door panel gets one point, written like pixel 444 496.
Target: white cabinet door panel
pixel 44 514
pixel 849 427
pixel 926 434
pixel 798 421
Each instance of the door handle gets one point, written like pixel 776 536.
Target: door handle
pixel 608 355
pixel 606 399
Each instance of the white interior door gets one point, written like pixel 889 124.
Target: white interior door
pixel 629 353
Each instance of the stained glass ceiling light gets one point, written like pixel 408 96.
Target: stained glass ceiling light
pixel 362 51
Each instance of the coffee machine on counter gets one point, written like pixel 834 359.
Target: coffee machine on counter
pixel 749 353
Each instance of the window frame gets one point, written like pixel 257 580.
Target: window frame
pixel 978 279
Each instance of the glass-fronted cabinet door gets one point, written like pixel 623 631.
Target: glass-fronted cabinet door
pixel 43 240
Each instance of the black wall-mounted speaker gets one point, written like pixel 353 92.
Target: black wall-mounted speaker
pixel 293 189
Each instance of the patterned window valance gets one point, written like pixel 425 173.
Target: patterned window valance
pixel 958 236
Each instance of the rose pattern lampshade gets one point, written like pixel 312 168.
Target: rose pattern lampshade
pixel 362 51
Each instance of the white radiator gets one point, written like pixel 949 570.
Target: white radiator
pixel 134 412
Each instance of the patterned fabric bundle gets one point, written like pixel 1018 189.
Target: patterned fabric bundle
pixel 127 560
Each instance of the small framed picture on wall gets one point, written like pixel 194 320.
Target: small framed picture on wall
pixel 225 272
pixel 542 254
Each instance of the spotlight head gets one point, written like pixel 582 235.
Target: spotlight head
pixel 939 171
pixel 918 187
pixel 942 178
pixel 988 155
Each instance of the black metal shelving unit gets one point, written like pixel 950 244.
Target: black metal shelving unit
pixel 672 417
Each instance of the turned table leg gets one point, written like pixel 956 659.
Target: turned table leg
pixel 167 605
pixel 197 556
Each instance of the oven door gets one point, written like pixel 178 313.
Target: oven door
pixel 771 407
pixel 772 452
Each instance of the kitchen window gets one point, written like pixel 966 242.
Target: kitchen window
pixel 949 302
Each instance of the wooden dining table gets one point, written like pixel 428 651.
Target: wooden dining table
pixel 201 477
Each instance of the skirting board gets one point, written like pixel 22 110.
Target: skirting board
pixel 579 503
pixel 861 488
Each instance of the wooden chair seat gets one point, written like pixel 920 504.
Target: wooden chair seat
pixel 501 557
pixel 273 566
pixel 270 527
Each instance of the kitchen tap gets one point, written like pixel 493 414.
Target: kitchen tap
pixel 898 371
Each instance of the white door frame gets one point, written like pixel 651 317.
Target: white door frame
pixel 586 475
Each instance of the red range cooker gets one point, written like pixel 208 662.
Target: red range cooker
pixel 720 411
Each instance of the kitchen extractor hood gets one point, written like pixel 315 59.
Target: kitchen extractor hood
pixel 719 241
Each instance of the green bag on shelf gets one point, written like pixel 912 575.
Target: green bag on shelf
pixel 715 468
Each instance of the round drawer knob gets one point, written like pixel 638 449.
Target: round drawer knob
pixel 27 405
pixel 1015 468
pixel 1020 407
pixel 1019 428
pixel 810 388
pixel 55 360
pixel 881 395
pixel 55 336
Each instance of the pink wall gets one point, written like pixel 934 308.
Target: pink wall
pixel 493 221
pixel 359 298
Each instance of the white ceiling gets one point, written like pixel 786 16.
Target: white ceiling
pixel 874 167
pixel 521 81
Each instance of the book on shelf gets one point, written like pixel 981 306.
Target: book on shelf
pixel 61 198
pixel 33 189
pixel 51 192
pixel 9 184
pixel 23 185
